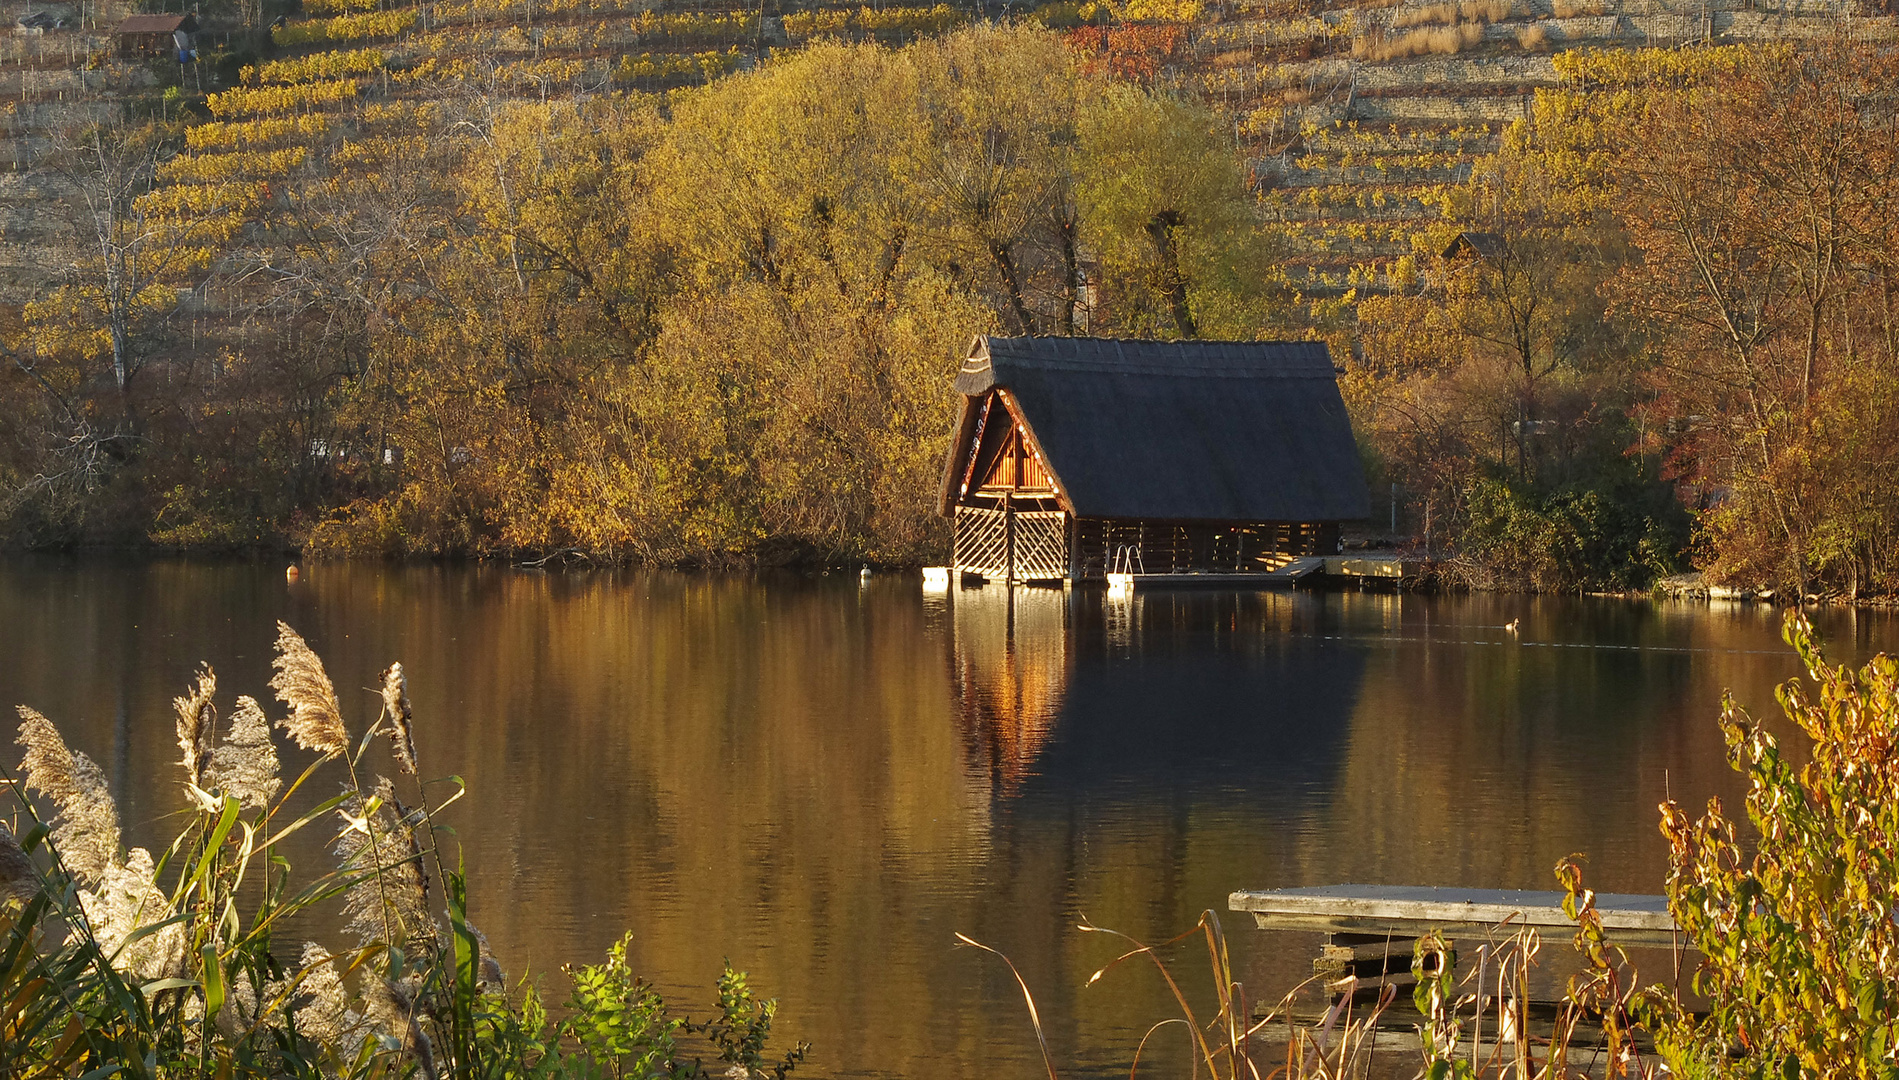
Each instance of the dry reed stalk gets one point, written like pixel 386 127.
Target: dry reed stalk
pixel 315 721
pixel 197 724
pixel 245 766
pixel 395 701
pixel 1569 9
pixel 1442 40
pixel 1532 37
pixel 1424 16
pixel 1452 12
pixel 87 825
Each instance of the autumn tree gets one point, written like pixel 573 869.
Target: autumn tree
pixel 1167 206
pixel 1493 385
pixel 1762 207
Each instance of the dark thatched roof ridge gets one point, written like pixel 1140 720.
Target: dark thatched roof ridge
pixel 1248 431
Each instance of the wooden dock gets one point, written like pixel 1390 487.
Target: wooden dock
pixel 1290 574
pixel 1294 571
pixel 1406 911
pixel 1384 567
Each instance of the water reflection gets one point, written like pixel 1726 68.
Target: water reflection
pixel 1010 664
pixel 824 781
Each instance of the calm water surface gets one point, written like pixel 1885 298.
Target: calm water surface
pixel 825 781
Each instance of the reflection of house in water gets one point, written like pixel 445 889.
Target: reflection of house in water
pixel 1010 664
pixel 1175 694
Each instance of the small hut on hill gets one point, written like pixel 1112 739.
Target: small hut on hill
pixel 156 35
pixel 1080 457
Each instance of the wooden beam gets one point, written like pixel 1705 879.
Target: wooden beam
pixel 1408 911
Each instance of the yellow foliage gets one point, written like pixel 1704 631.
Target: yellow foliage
pixel 377 150
pixel 1638 67
pixel 372 24
pixel 323 65
pixel 548 71
pixel 337 7
pixel 1179 11
pixel 181 200
pixel 702 24
pixel 244 100
pixel 705 65
pixel 251 134
pixel 906 20
pixel 1062 14
pixel 422 115
pixel 241 164
pixel 437 69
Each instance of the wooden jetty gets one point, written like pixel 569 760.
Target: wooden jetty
pixel 1161 462
pixel 1372 930
pixel 1407 911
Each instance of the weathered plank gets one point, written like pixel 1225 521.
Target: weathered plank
pixel 1403 910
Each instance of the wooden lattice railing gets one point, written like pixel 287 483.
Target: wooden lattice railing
pixel 1012 545
pixel 1041 545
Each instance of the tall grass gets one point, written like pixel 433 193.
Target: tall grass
pixel 1452 12
pixel 1424 41
pixel 1475 1023
pixel 119 962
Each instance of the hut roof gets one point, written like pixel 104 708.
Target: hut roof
pixel 1183 430
pixel 1484 245
pixel 156 24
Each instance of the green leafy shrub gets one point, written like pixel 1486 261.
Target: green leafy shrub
pixel 1611 535
pixel 1797 926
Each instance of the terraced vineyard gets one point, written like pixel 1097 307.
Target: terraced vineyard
pixel 1352 116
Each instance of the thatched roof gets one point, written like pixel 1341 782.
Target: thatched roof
pixel 156 24
pixel 1182 430
pixel 1481 244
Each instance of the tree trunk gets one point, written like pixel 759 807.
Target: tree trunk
pixel 1004 258
pixel 1165 231
pixel 1071 275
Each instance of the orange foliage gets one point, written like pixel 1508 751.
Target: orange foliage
pixel 1134 53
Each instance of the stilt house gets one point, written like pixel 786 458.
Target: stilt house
pixel 1080 457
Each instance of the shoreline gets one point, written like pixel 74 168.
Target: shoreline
pixel 1687 587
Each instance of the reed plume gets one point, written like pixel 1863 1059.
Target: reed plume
pixel 86 827
pixel 392 1007
pixel 315 720
pixel 321 1006
pixel 125 903
pixel 395 701
pixel 489 976
pixel 390 905
pixel 197 723
pixel 245 765
pixel 245 1007
pixel 19 878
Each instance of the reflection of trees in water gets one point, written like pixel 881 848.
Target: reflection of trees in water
pixel 1009 670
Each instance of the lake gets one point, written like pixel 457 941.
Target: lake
pixel 825 779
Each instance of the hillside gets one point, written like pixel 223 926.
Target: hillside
pixel 1351 114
